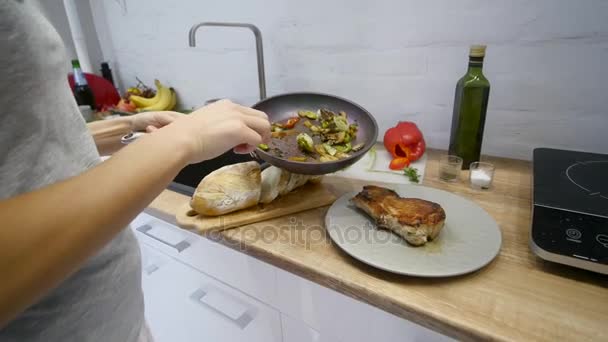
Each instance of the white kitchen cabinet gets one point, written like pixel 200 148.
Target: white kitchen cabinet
pixel 342 318
pixel 199 290
pixel 298 331
pixel 254 277
pixel 183 304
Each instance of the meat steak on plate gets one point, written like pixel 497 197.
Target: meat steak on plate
pixel 416 220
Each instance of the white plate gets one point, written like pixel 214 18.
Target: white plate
pixel 469 240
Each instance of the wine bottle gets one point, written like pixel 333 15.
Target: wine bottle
pixel 470 106
pixel 82 91
pixel 106 72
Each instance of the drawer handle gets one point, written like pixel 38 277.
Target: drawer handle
pixel 151 262
pixel 230 308
pixel 151 269
pixel 179 245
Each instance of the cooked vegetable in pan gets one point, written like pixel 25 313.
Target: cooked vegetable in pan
pixel 311 136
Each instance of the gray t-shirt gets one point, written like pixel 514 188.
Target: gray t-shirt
pixel 43 139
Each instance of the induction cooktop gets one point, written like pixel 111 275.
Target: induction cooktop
pixel 570 208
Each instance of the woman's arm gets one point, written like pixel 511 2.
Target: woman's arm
pixel 107 133
pixel 47 234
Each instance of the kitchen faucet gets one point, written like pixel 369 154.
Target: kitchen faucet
pixel 258 46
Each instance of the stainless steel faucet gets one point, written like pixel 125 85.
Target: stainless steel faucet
pixel 258 47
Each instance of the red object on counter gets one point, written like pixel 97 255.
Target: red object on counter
pixel 405 143
pixel 105 94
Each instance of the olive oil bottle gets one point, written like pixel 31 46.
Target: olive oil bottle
pixel 470 105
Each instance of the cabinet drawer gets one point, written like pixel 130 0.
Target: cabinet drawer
pixel 234 268
pixel 298 331
pixel 183 304
pixel 343 318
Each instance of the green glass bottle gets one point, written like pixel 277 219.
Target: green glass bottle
pixel 470 105
pixel 82 91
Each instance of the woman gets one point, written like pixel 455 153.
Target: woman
pixel 69 270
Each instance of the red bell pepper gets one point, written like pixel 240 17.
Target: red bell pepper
pixel 289 124
pixel 405 143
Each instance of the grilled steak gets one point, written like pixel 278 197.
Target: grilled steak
pixel 416 220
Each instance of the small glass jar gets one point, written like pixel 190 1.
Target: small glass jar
pixel 481 175
pixel 449 168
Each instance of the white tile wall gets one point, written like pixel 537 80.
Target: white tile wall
pixel 400 59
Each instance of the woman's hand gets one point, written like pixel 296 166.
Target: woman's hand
pixel 150 121
pixel 214 129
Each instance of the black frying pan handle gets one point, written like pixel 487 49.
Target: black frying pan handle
pixel 263 164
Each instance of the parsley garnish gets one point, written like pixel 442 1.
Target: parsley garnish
pixel 412 174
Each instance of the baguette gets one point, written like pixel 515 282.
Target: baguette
pixel 273 180
pixel 240 186
pixel 278 182
pixel 227 189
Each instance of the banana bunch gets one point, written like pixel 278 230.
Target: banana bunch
pixel 165 99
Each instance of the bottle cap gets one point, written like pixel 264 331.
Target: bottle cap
pixel 75 63
pixel 477 51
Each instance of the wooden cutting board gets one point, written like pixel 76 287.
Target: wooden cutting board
pixel 307 197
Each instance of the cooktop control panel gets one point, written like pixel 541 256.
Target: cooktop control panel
pixel 570 211
pixel 571 234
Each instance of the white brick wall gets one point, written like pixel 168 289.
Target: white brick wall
pixel 547 60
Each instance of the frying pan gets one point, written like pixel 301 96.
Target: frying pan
pixel 279 108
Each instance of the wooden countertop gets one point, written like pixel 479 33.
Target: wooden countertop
pixel 516 297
